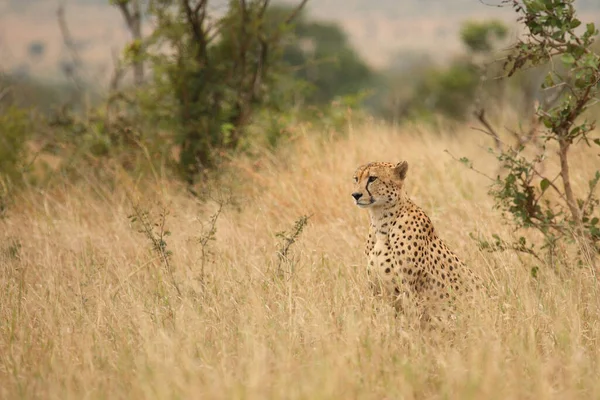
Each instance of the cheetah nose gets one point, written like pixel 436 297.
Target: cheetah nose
pixel 356 195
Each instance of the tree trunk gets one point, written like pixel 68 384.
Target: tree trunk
pixel 564 174
pixel 133 18
pixel 136 32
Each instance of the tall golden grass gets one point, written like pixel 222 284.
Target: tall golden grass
pixel 89 310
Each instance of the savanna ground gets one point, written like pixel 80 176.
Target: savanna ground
pixel 89 310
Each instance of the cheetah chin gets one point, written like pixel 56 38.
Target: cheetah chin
pixel 365 205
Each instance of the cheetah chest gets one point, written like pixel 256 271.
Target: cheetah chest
pixel 381 262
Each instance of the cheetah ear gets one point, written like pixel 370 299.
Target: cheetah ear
pixel 400 170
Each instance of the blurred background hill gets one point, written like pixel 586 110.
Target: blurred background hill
pixel 383 31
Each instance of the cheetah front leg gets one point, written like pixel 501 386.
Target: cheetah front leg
pixel 404 298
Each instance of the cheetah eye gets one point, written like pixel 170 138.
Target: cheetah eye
pixel 355 179
pixel 371 179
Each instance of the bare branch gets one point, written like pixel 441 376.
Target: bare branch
pixel 470 166
pixel 480 115
pixel 293 15
pixel 258 71
pixel 118 72
pixel 66 34
pixel 4 92
pixel 590 196
pixel 127 15
pixel 552 185
pixel 551 100
pixel 70 43
pixel 263 9
pixel 200 5
pixel 196 18
pixel 492 5
pixel 535 124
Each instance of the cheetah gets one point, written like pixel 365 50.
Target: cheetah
pixel 407 260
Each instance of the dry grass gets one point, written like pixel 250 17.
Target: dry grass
pixel 88 310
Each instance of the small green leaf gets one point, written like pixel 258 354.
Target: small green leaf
pixel 575 131
pixel 544 184
pixel 597 141
pixel 594 221
pixel 591 29
pixel 549 81
pixel 591 60
pixel 568 59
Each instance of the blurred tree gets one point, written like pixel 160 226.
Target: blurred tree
pixel 322 56
pixel 450 90
pixel 481 36
pixel 212 73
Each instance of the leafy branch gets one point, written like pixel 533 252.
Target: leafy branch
pixel 523 193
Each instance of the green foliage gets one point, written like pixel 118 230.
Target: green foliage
pixel 450 91
pixel 23 92
pixel 133 51
pixel 15 129
pixel 479 36
pixel 427 92
pixel 529 198
pixel 104 136
pixel 322 56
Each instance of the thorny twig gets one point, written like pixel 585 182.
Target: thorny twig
pixel 469 165
pixel 71 46
pixel 157 239
pixel 289 239
pixel 207 236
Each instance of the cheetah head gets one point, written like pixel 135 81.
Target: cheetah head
pixel 379 183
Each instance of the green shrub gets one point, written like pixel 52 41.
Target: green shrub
pixel 15 130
